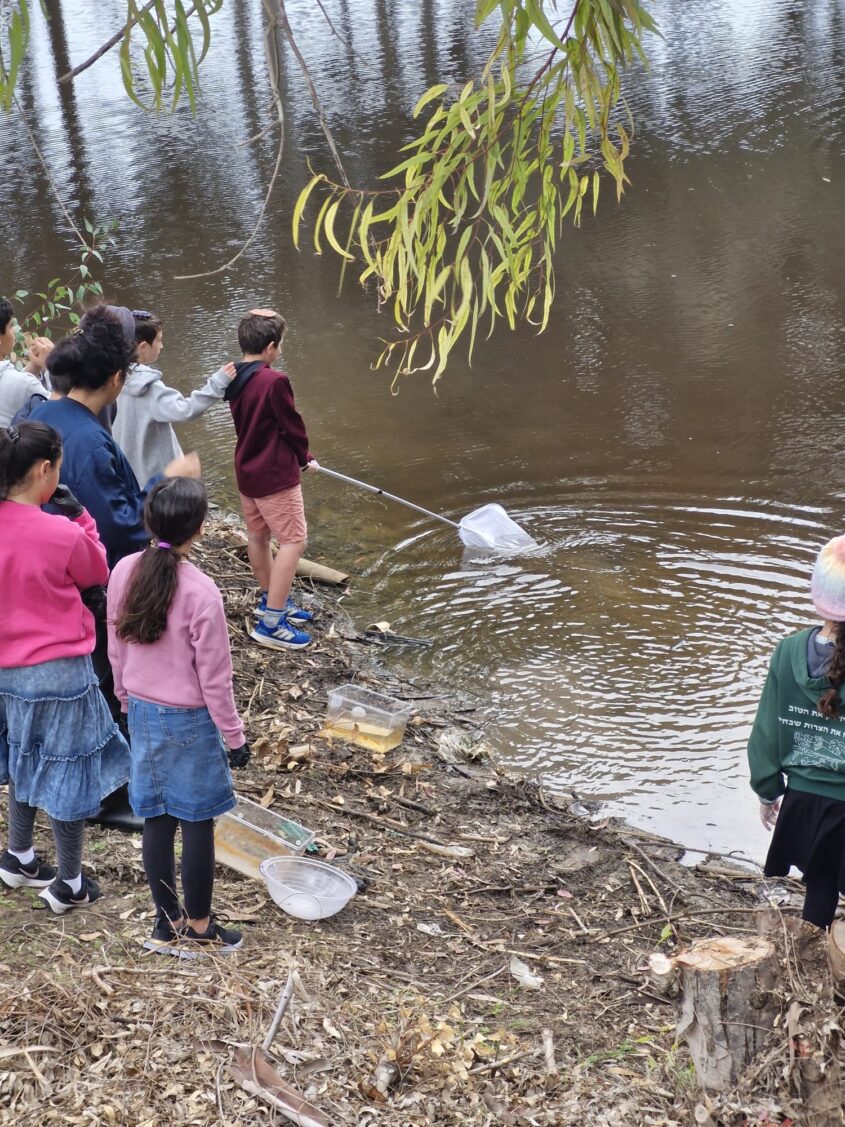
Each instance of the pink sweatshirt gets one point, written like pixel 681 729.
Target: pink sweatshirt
pixel 190 666
pixel 45 561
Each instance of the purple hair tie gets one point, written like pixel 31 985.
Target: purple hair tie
pixel 163 544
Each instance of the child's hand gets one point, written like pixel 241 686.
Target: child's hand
pixel 769 814
pixel 66 503
pixel 39 349
pixel 312 464
pixel 230 370
pixel 186 466
pixel 239 756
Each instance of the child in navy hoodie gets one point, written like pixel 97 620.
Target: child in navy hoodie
pixel 270 455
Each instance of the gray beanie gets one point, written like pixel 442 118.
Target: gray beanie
pixel 127 321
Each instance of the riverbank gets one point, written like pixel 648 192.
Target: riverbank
pixel 490 970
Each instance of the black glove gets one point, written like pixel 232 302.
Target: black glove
pixel 239 756
pixel 65 502
pixel 95 599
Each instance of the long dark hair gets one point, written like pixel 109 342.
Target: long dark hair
pixel 21 448
pixel 828 703
pixel 174 512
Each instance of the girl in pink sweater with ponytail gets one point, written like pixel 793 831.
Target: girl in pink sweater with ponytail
pixel 169 650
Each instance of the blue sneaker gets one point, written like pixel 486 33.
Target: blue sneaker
pixel 298 614
pixel 283 636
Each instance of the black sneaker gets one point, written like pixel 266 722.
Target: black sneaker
pixel 15 874
pixel 164 939
pixel 61 897
pixel 215 940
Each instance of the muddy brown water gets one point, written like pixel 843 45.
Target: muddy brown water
pixel 674 441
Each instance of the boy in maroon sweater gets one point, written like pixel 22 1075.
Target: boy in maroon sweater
pixel 270 454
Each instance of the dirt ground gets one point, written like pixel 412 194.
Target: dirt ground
pixel 492 968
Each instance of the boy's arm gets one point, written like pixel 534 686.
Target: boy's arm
pixel 289 419
pixel 170 406
pixel 767 779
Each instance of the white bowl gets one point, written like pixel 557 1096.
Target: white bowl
pixel 306 889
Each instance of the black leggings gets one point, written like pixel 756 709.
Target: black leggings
pixel 821 899
pixel 197 865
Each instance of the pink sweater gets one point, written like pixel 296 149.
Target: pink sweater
pixel 190 666
pixel 45 561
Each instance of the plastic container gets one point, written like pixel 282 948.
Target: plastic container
pixel 306 889
pixel 248 834
pixel 366 718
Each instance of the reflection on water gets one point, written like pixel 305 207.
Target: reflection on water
pixel 674 439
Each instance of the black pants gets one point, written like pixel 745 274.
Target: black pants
pixel 197 865
pixel 821 898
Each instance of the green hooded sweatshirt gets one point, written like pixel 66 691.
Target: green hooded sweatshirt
pixel 790 736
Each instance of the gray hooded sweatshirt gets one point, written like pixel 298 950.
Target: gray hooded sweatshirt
pixel 16 390
pixel 146 409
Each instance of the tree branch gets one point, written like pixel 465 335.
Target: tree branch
pixel 271 48
pixel 312 90
pixel 113 42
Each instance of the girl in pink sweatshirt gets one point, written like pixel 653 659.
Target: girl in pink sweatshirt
pixel 60 749
pixel 169 650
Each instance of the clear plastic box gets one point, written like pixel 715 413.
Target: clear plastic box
pixel 364 717
pixel 248 834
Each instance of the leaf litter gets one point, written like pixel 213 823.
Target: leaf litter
pixel 491 970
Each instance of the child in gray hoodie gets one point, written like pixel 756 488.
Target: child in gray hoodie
pixel 148 407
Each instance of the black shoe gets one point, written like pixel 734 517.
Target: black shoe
pixel 61 897
pixel 164 939
pixel 15 874
pixel 215 940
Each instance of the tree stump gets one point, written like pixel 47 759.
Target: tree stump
pixel 725 1001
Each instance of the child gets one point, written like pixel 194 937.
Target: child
pixel 59 747
pixel 18 389
pixel 797 747
pixel 148 407
pixel 271 452
pixel 169 649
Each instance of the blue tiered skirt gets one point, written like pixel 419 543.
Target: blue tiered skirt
pixel 58 741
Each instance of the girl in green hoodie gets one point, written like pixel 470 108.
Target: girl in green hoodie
pixel 796 751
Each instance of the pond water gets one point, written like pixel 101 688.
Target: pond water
pixel 674 441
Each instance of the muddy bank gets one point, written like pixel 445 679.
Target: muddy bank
pixel 489 971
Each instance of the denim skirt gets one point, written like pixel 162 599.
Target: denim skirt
pixel 178 763
pixel 58 741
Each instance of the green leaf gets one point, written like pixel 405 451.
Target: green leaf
pixel 433 92
pixel 330 235
pixel 299 206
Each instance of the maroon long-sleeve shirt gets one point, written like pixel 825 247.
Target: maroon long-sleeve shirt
pixel 272 444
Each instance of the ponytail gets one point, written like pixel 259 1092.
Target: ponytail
pixel 23 447
pixel 174 512
pixel 828 704
pixel 149 596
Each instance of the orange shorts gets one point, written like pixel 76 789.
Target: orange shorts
pixel 280 514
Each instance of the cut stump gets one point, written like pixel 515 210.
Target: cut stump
pixel 725 1001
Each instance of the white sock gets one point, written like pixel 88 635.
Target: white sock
pixel 75 883
pixel 272 617
pixel 25 856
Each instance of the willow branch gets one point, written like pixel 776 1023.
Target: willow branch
pixel 271 48
pixel 113 42
pixel 52 183
pixel 312 90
